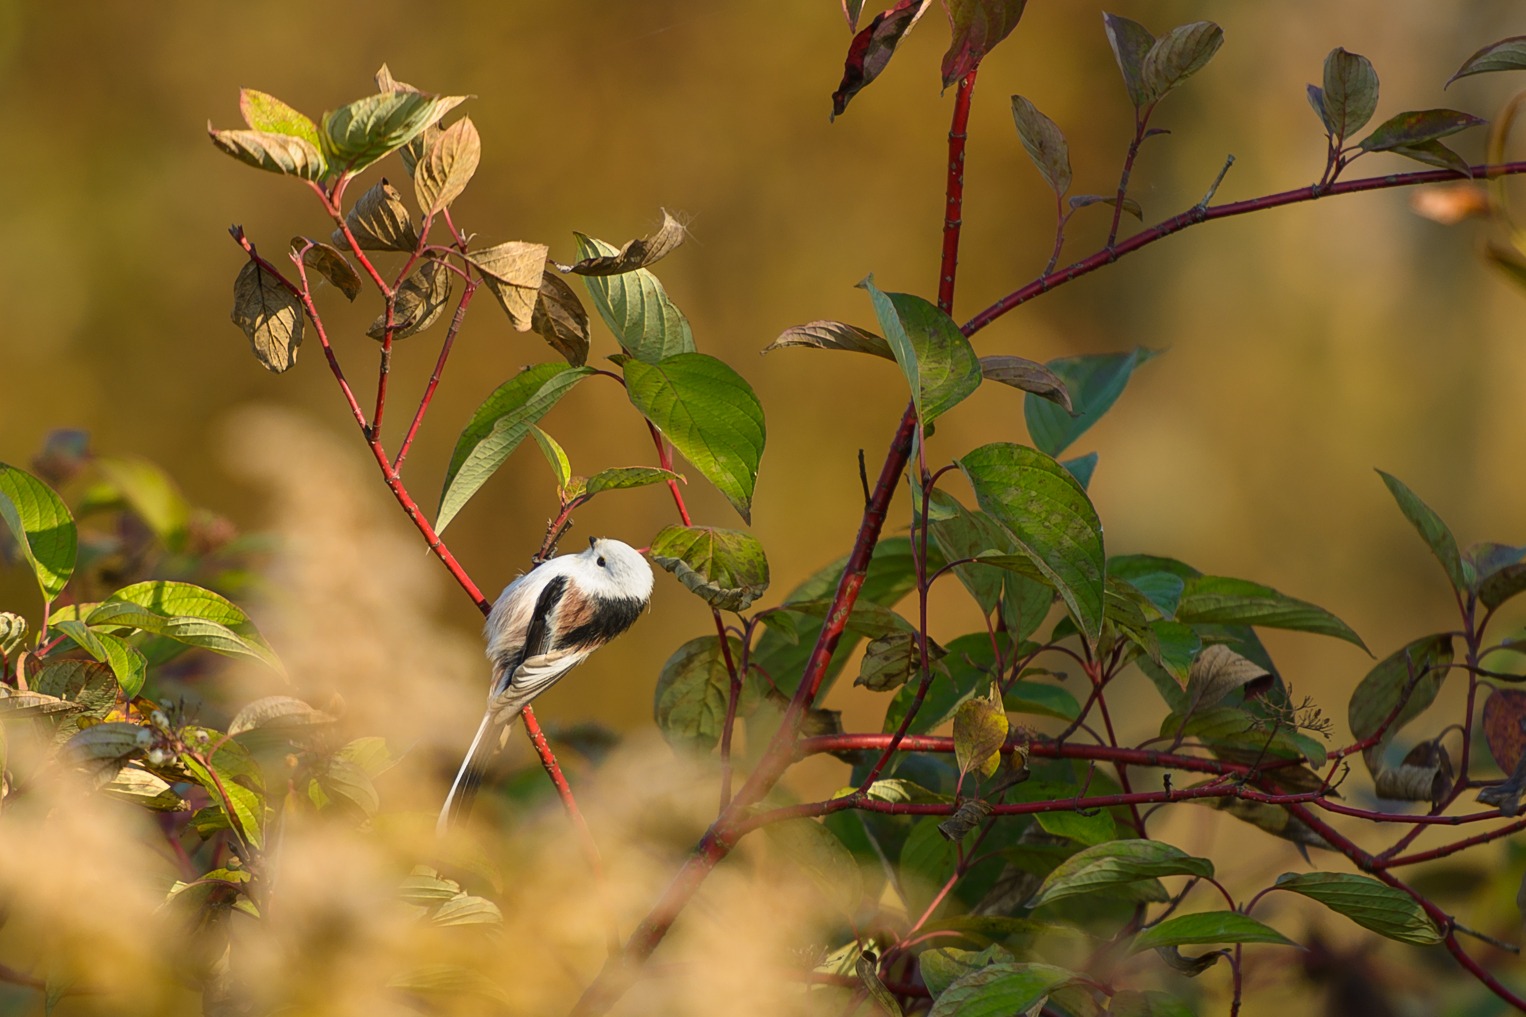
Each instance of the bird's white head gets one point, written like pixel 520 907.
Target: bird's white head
pixel 615 570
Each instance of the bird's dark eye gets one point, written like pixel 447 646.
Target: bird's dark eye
pixel 601 563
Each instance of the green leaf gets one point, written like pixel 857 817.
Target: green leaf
pixel 42 527
pixel 980 730
pixel 1047 512
pixel 1505 55
pixel 1428 662
pixel 943 966
pixel 264 112
pixel 809 846
pixel 1178 55
pixel 936 358
pixel 960 533
pixel 145 790
pixel 1149 1003
pixel 356 135
pixel 271 152
pixel 689 705
pixel 1041 700
pixel 152 495
pixel 278 713
pixel 636 308
pixel 85 684
pixel 1430 527
pixel 1000 990
pixel 1116 862
pixel 1434 153
pixel 638 253
pixel 1208 927
pixel 555 455
pixel 1044 142
pixel 709 413
pixel 1239 734
pixel 1130 41
pixel 965 671
pixel 496 429
pixel 1350 94
pixel 187 614
pixel 726 568
pixel 233 780
pixel 1222 601
pixel 125 661
pixel 1383 909
pixel 890 661
pixel 1416 127
pixel 1094 383
pixel 1081 468
pixel 621 478
pixel 926 862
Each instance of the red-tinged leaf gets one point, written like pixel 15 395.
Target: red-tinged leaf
pixel 1178 55
pixel 1130 41
pixel 1412 128
pixel 977 26
pixel 872 49
pixel 1505 55
pixel 1350 94
pixel 1505 727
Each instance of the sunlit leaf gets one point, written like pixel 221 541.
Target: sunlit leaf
pixel 379 221
pixel 514 273
pixel 328 262
pixel 873 46
pixel 187 614
pixel 726 568
pixel 417 303
pixel 271 152
pixel 41 526
pixel 634 305
pixel 559 318
pixel 637 253
pixel 264 112
pixel 448 163
pixel 980 730
pixel 356 135
pixel 270 315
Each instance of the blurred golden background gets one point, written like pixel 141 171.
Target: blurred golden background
pixel 1308 345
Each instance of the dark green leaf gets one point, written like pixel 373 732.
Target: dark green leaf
pixel 1178 55
pixel 1223 601
pixel 1041 700
pixel 636 308
pixel 1094 382
pixel 726 568
pixel 513 272
pixel 1413 674
pixel 966 671
pixel 938 361
pixel 1389 912
pixel 926 862
pixel 999 990
pixel 636 253
pixel 1236 733
pixel 497 428
pixel 1116 862
pixel 692 691
pixel 709 413
pixel 270 316
pixel 1081 468
pixel 1084 827
pixel 1130 41
pixel 1497 587
pixel 356 135
pixel 1505 55
pixel 890 661
pixel 1045 143
pixel 1350 94
pixel 1406 130
pixel 1430 527
pixel 1052 520
pixel 1208 927
pixel 42 527
pixel 233 779
pixel 960 533
pixel 1434 153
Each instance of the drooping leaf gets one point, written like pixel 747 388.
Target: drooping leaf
pixel 328 262
pixel 869 978
pixel 1130 41
pixel 1208 927
pixel 1415 127
pixel 871 49
pixel 1412 674
pixel 559 318
pixel 832 335
pixel 231 777
pixel 938 361
pixel 1178 55
pixel 1434 153
pixel 271 152
pixel 977 26
pixel 359 133
pixel 1217 600
pixel 496 429
pixel 1028 376
pixel 145 790
pixel 1431 528
pixel 448 163
pixel 1094 383
pixel 648 325
pixel 1114 863
pixel 999 990
pixel 264 112
pixel 1504 55
pixel 1047 512
pixel 270 315
pixel 689 705
pixel 980 730
pixel 41 526
pixel 709 413
pixel 379 221
pixel 637 253
pixel 417 303
pixel 1505 727
pixel 513 272
pixel 187 614
pixel 1383 909
pixel 1350 95
pixel 726 568
pixel 1045 143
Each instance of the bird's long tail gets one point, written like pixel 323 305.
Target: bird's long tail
pixel 458 803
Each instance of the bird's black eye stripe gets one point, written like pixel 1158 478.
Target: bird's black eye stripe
pixel 601 563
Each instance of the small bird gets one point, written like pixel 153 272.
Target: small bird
pixel 544 624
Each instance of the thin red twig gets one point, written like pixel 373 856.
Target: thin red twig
pixel 953 195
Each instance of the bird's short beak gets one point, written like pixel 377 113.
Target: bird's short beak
pixel 592 541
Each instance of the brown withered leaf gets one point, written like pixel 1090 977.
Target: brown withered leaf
pixel 637 253
pixel 1424 776
pixel 559 318
pixel 380 221
pixel 449 160
pixel 418 303
pixel 270 316
pixel 969 815
pixel 1216 672
pixel 832 335
pixel 330 263
pixel 1028 375
pixel 1505 727
pixel 513 271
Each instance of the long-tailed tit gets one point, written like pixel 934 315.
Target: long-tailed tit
pixel 544 624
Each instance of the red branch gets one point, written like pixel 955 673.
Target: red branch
pixel 953 199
